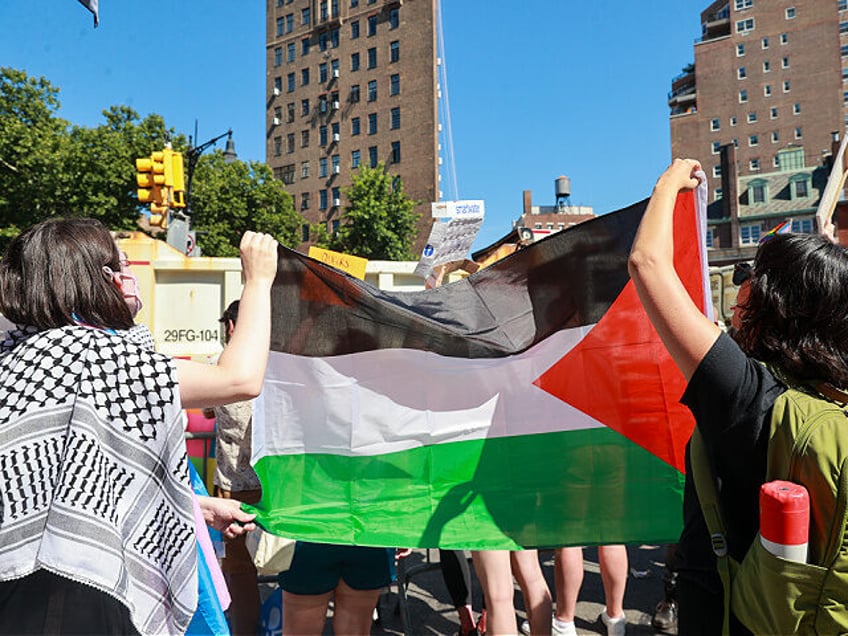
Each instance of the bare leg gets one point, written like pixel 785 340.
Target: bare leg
pixel 537 596
pixel 613 562
pixel 568 576
pixel 353 610
pixel 493 570
pixel 304 614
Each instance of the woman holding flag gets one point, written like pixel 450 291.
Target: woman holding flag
pixel 793 316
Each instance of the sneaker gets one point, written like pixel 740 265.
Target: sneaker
pixel 561 628
pixel 665 616
pixel 615 626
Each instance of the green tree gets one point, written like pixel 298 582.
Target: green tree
pixel 228 199
pixel 380 220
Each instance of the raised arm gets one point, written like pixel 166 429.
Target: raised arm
pixel 685 331
pixel 241 367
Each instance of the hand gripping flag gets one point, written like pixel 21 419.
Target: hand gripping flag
pixel 530 404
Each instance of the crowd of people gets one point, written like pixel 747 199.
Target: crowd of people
pixel 97 517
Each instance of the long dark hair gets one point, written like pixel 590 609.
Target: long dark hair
pixel 796 316
pixel 52 276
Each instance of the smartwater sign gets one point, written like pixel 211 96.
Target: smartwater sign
pixel 453 233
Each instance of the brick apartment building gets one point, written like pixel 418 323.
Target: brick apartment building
pixel 759 108
pixel 351 82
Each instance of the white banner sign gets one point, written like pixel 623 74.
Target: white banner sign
pixel 458 209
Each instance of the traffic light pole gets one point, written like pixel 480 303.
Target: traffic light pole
pixel 193 155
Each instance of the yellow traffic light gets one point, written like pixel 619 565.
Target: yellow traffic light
pixel 159 214
pixel 174 178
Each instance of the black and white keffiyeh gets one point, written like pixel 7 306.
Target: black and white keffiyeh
pixel 93 471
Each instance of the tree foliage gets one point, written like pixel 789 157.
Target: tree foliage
pixel 49 167
pixel 379 222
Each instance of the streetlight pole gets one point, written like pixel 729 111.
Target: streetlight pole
pixel 180 235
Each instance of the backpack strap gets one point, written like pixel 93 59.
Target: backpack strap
pixel 702 475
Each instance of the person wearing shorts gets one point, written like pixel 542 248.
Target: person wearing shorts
pixel 352 576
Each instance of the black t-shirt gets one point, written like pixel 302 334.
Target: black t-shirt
pixel 731 397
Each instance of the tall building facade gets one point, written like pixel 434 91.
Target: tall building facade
pixel 351 83
pixel 759 108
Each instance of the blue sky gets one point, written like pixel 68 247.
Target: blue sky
pixel 561 87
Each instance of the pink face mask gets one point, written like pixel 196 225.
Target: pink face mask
pixel 127 282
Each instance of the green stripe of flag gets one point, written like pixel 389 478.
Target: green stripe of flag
pixel 584 487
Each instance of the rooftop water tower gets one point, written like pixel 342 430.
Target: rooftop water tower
pixel 562 192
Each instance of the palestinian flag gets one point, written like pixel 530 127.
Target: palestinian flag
pixel 530 404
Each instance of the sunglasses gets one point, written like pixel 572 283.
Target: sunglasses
pixel 741 272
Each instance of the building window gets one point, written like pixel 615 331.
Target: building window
pixel 766 66
pixel 740 50
pixel 752 117
pixel 753 140
pixel 322 167
pixel 394 83
pixel 354 4
pixel 304 46
pixel 373 158
pixel 791 159
pixel 290 52
pixel 281 25
pixel 764 43
pixel 786 86
pixel 754 164
pixel 322 199
pixel 372 90
pixel 278 115
pixel 843 5
pixel 711 238
pixel 290 82
pixel 355 159
pixel 743 4
pixel 716 147
pixel 395 152
pixel 799 133
pixel 354 93
pixel 322 103
pixel 325 11
pixel 773 112
pixel 335 164
pixel 304 229
pixel 290 145
pixel 372 25
pixel 749 234
pixel 372 57
pixel 304 77
pixel 354 61
pixel 336 192
pixel 758 192
pixel 741 73
pixel 717 194
pixel 767 90
pixel 372 123
pixel 322 136
pixel 775 161
pixel 743 96
pixel 278 85
pixel 278 146
pixel 796 108
pixel 790 13
pixel 715 124
pixel 775 136
pixel 354 29
pixel 304 138
pixel 802 226
pixel 744 26
pixel 784 38
pixel 278 56
pixel 334 129
pixel 322 73
pixel 733 120
pixel 716 170
pixel 323 39
pixel 305 17
pixel 394 18
pixel 287 174
pixel 290 23
pixel 395 117
pixel 304 107
pixel 354 126
pixel 394 51
pixel 784 62
pixel 801 190
pixel 304 170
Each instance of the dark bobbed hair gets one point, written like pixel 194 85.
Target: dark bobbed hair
pixel 52 276
pixel 796 316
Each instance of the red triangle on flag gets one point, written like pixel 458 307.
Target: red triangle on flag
pixel 621 373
